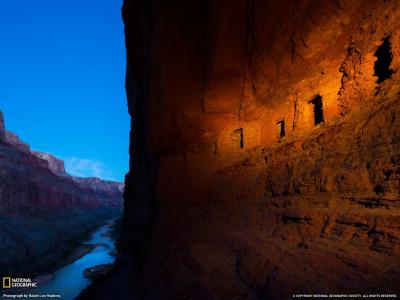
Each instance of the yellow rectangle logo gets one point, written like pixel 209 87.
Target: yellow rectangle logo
pixel 6 282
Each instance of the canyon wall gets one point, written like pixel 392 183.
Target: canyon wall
pixel 2 128
pixel 43 210
pixel 55 164
pixel 265 150
pixel 33 182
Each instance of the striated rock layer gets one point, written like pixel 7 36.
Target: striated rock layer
pixel 32 182
pixel 55 164
pixel 265 150
pixel 44 212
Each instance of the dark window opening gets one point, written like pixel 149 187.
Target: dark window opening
pixel 382 64
pixel 239 132
pixel 318 111
pixel 281 124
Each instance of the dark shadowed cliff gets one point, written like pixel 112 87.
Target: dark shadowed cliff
pixel 265 150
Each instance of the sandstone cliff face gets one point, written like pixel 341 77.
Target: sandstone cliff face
pixel 14 140
pixel 265 149
pixel 43 210
pixel 99 184
pixel 56 165
pixel 11 138
pixel 34 182
pixel 2 128
pixel 109 193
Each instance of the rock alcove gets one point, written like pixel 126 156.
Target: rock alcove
pixel 215 207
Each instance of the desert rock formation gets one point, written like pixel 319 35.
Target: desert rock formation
pixel 265 150
pixel 32 181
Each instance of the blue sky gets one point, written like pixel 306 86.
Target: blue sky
pixel 62 72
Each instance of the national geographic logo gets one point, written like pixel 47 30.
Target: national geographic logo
pixel 6 282
pixel 9 283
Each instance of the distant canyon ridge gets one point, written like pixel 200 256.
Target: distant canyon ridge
pixel 32 181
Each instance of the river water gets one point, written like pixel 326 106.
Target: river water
pixel 69 281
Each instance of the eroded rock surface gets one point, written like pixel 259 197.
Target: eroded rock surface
pixel 222 201
pixel 56 165
pixel 43 210
pixel 33 182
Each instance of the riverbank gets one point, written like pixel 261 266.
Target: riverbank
pixel 41 244
pixel 69 280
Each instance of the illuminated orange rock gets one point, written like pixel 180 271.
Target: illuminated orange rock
pixel 220 203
